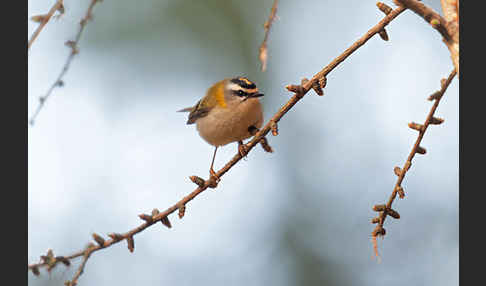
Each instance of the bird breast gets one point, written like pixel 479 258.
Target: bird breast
pixel 228 124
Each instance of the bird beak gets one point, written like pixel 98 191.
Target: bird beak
pixel 253 95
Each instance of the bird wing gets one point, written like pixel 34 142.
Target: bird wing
pixel 196 112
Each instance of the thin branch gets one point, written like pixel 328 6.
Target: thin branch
pixel 263 55
pixel 386 210
pixel 74 51
pixel 299 92
pixel 58 6
pixel 450 8
pixel 448 29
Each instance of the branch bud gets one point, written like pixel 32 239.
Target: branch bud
pixel 35 270
pixel 435 95
pixel 383 35
pixel 265 145
pixel 165 221
pixel 379 208
pixel 416 126
pixel 130 243
pixel 436 120
pixel 401 193
pixel 146 217
pixel 197 180
pixel 375 220
pixel 98 239
pixel 182 211
pixel 392 213
pixel 274 127
pixel 64 260
pixel 115 236
pixel 378 231
pixel 421 150
pixel 297 89
pixel 155 212
pixel 397 170
pixel 384 8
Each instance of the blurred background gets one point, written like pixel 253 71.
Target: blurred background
pixel 109 145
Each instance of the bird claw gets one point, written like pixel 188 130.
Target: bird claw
pixel 214 178
pixel 242 149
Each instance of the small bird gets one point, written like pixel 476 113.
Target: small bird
pixel 229 112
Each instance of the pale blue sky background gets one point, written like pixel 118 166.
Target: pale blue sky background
pixel 109 146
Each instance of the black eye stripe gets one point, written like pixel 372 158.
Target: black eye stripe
pixel 243 83
pixel 240 93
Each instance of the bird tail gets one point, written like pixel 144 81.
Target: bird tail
pixel 187 109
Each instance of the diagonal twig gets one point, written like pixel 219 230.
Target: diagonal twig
pixel 386 210
pixel 271 125
pixel 58 6
pixel 263 54
pixel 74 51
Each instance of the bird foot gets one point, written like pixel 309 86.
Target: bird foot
pixel 214 177
pixel 242 149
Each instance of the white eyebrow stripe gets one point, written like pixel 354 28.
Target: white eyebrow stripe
pixel 234 86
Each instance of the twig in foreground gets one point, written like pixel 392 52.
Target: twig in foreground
pixel 263 55
pixel 386 210
pixel 299 92
pixel 74 51
pixel 58 6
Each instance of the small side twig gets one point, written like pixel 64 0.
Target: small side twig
pixel 386 210
pixel 44 19
pixel 74 51
pixel 263 55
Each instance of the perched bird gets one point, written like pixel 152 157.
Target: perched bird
pixel 229 112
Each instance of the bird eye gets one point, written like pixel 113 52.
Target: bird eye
pixel 240 92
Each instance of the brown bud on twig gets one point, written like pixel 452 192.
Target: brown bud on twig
pixel 397 170
pixel 265 145
pixel 35 270
pixel 155 212
pixel 401 192
pixel 64 260
pixel 130 243
pixel 39 18
pixel 197 180
pixel 436 120
pixel 416 126
pixel 375 220
pixel 115 236
pixel 73 46
pixel 322 81
pixel 384 8
pixel 383 35
pixel 379 208
pixel 274 128
pixel 443 82
pixel 421 150
pixel 182 211
pixel 317 88
pixel 435 95
pixel 146 217
pixel 378 231
pixel 98 239
pixel 392 213
pixel 297 89
pixel 165 221
pixel 68 283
